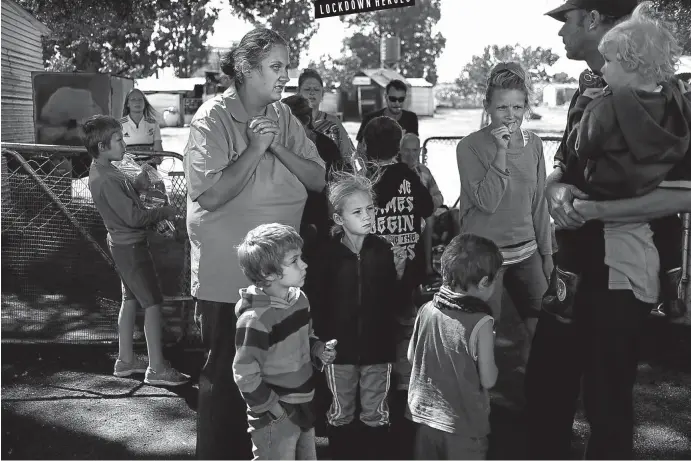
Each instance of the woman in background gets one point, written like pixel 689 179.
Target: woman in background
pixel 311 86
pixel 316 222
pixel 140 130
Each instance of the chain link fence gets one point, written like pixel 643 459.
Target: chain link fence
pixel 59 284
pixel 439 154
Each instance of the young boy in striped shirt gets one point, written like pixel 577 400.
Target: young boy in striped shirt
pixel 276 346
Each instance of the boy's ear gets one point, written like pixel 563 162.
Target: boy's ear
pixel 629 66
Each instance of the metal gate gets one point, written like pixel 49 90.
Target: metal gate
pixel 58 280
pixel 439 154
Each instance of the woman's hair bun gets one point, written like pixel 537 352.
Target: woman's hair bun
pixel 228 64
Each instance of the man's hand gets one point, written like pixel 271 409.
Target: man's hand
pixel 586 208
pixel 560 199
pixel 547 266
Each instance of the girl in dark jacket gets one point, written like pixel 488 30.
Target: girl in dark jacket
pixel 352 287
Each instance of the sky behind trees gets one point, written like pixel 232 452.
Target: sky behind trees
pixel 467 25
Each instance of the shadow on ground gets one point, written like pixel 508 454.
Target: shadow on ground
pixel 62 402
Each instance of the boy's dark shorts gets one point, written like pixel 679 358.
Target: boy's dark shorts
pixel 137 273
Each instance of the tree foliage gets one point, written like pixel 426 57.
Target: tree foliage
pixel 249 10
pixel 678 12
pixel 420 46
pixel 337 73
pixel 97 35
pixel 293 20
pixel 117 36
pixel 182 28
pixel 473 79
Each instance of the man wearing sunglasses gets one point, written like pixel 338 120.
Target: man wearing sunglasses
pixel 396 93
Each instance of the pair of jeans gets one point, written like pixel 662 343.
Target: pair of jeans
pixel 525 282
pixel 601 347
pixel 221 410
pixel 283 439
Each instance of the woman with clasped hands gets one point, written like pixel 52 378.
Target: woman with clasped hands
pixel 248 162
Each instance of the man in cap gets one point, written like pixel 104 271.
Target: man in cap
pixel 598 338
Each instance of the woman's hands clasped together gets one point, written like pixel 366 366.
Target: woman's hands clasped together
pixel 262 132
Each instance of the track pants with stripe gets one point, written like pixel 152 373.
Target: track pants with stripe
pixel 374 382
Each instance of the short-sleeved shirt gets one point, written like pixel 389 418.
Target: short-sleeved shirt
pixel 145 133
pixel 273 194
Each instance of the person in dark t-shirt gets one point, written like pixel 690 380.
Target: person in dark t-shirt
pixel 402 203
pixel 396 94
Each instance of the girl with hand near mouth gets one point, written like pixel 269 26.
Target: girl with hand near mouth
pixel 502 171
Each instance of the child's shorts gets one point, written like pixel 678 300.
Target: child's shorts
pixel 137 272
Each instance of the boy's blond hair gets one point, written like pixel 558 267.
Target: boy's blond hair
pixel 262 251
pixel 644 43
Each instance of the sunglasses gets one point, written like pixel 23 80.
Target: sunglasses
pixel 394 99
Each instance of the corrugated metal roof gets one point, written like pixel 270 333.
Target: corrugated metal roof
pixel 383 76
pixel 419 82
pixel 168 85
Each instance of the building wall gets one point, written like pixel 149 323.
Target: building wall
pixel 422 101
pixel 162 101
pixel 22 53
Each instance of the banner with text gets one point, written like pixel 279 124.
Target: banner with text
pixel 330 8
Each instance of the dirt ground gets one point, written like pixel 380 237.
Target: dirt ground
pixel 61 402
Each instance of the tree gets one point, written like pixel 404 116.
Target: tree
pixel 294 21
pixel 97 35
pixel 678 12
pixel 420 47
pixel 337 72
pixel 473 79
pixel 182 28
pixel 249 9
pixel 115 36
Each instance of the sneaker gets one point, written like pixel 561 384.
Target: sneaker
pixel 169 376
pixel 123 369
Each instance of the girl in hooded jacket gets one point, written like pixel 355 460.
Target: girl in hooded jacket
pixel 352 287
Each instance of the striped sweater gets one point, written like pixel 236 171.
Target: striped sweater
pixel 274 344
